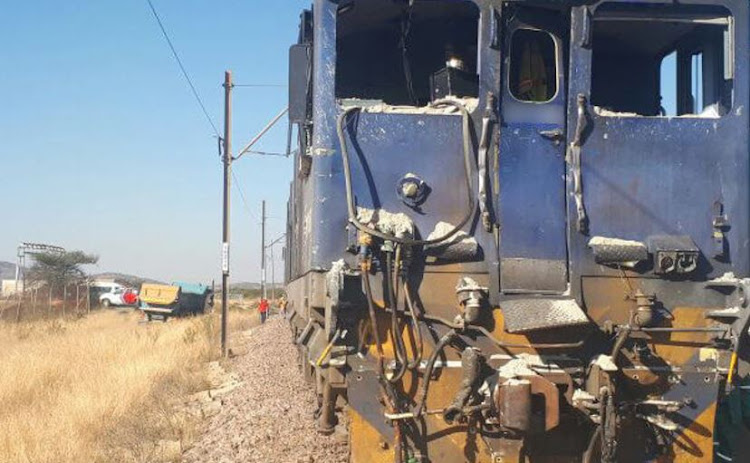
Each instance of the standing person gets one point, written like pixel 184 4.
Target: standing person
pixel 263 309
pixel 282 304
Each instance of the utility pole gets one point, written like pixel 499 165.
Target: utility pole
pixel 273 263
pixel 263 253
pixel 227 158
pixel 273 276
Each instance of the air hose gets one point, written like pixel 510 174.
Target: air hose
pixel 444 341
pixel 417 328
pixel 398 341
pixel 467 151
pixel 365 268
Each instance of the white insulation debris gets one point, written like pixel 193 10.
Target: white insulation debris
pixel 397 224
pixel 379 107
pixel 459 247
pixel 334 277
pixel 603 241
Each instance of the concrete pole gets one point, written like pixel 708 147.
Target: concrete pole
pixel 263 292
pixel 225 223
pixel 273 276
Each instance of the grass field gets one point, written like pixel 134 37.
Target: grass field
pixel 103 388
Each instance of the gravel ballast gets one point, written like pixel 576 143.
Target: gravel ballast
pixel 269 418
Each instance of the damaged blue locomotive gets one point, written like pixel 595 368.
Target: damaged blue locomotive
pixel 518 230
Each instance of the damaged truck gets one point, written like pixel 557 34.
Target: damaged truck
pixel 518 230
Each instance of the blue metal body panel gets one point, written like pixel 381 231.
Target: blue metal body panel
pixel 636 170
pixel 191 288
pixel 532 179
pixel 645 176
pixel 388 146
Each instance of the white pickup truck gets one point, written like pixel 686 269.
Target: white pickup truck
pixel 115 297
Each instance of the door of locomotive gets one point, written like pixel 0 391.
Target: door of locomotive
pixel 533 249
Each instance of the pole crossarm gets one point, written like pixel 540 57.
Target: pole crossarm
pixel 276 240
pixel 36 248
pixel 262 132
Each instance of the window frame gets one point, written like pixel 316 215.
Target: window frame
pixel 509 67
pixel 685 88
pixel 396 108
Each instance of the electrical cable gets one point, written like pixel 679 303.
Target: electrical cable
pixel 242 197
pixel 406 22
pixel 467 151
pixel 398 341
pixel 365 268
pixel 417 328
pixel 182 68
pixel 444 341
pixel 590 448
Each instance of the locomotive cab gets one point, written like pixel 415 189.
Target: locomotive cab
pixel 518 231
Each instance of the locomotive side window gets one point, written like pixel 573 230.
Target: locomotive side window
pixel 406 53
pixel 533 73
pixel 662 61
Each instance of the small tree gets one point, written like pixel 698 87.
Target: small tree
pixel 60 270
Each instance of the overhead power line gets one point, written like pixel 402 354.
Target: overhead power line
pixel 242 196
pixel 182 68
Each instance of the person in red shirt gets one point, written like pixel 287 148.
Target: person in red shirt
pixel 263 309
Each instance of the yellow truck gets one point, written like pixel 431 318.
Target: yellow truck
pixel 178 299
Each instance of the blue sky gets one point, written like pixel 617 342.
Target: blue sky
pixel 104 149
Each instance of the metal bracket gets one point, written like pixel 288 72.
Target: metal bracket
pixel 720 225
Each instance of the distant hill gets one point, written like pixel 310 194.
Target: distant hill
pixel 7 270
pixel 246 285
pixel 125 279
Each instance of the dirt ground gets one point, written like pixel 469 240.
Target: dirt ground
pixel 269 418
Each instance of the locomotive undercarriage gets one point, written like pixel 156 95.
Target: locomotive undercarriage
pixel 438 380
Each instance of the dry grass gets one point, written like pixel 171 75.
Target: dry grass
pixel 103 388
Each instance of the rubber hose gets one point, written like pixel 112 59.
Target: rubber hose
pixel 444 341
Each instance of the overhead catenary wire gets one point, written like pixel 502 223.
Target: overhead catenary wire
pixel 182 68
pixel 242 197
pixel 199 100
